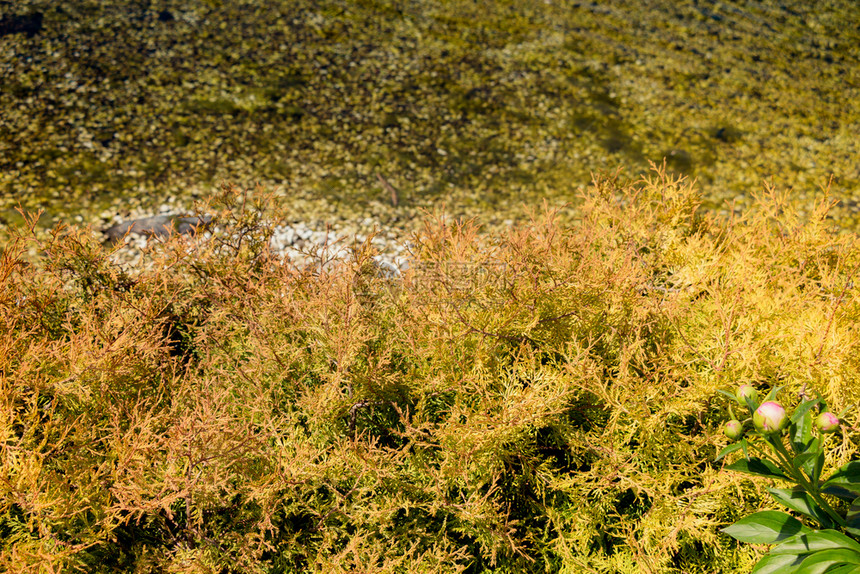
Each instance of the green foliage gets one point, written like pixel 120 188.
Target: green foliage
pixel 798 548
pixel 534 401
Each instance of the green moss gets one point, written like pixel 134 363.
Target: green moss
pixel 731 95
pixel 218 107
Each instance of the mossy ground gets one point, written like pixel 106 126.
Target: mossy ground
pixel 482 105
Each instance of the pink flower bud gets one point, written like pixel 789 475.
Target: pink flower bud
pixel 734 429
pixel 746 391
pixel 770 417
pixel 827 422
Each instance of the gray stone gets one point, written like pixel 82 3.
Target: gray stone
pixel 157 226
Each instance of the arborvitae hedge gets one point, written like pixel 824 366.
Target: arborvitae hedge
pixel 541 400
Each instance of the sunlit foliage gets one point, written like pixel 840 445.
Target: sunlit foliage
pixel 538 400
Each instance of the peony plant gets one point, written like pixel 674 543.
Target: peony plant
pixel 791 448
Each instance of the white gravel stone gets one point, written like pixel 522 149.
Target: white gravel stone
pixel 299 241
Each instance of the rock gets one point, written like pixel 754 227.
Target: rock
pixel 30 24
pixel 727 134
pixel 680 160
pixel 157 226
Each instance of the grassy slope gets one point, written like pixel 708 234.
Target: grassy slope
pixel 482 104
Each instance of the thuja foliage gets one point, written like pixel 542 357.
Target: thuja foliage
pixel 541 400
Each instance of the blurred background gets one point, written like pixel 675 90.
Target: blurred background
pixel 368 110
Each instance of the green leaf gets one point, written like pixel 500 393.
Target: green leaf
pixel 836 490
pixel 766 527
pixel 728 394
pixel 750 404
pixel 844 569
pixel 771 396
pixel 848 472
pixel 845 482
pixel 800 433
pixel 803 458
pixel 798 499
pixel 778 564
pixel 820 562
pixel 802 409
pixel 817 463
pixel 757 466
pixel 852 519
pixel 728 450
pixel 814 541
pixel 847 478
